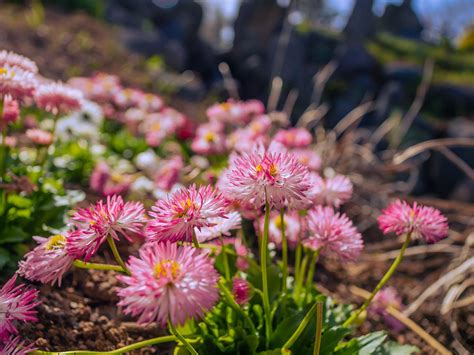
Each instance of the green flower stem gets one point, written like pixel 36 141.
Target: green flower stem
pixel 225 260
pixel 116 254
pixel 178 335
pixel 263 262
pixel 231 301
pixel 300 329
pixel 123 350
pixel 312 267
pixel 299 281
pixel 94 266
pixel 3 146
pixel 299 250
pixel 284 251
pixel 195 240
pixel 319 328
pixel 381 284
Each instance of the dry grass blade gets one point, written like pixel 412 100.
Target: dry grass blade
pixel 406 321
pixel 353 117
pixel 275 93
pixel 229 81
pixel 415 107
pixel 461 164
pixel 431 144
pixel 311 117
pixel 290 102
pixel 421 249
pixel 320 80
pixel 436 286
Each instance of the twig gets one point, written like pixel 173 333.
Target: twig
pixel 229 81
pixel 415 107
pixel 320 80
pixel 275 93
pixel 290 102
pixel 431 144
pixel 420 249
pixel 311 117
pixel 406 321
pixel 353 117
pixel 448 277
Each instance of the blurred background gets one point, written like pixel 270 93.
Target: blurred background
pixel 406 61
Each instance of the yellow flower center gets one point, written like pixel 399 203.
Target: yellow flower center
pixel 277 222
pixel 226 106
pixel 259 168
pixel 273 170
pixel 56 242
pixel 155 126
pixel 3 71
pixel 185 208
pixel 210 137
pixel 167 269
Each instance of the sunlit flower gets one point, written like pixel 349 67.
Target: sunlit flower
pixel 16 83
pixel 169 282
pixel 176 218
pixel 13 60
pixel 387 297
pixel 158 126
pixel 333 191
pixel 422 222
pixel 260 175
pixel 236 112
pixel 219 227
pixel 112 218
pixel 241 291
pixel 308 157
pixel 294 137
pixel 11 110
pixel 100 88
pixel 58 98
pixel 39 137
pixel 209 139
pixel 293 228
pixel 14 346
pixel 107 183
pixel 168 172
pixel 48 262
pixel 333 234
pixel 17 303
pixel 242 139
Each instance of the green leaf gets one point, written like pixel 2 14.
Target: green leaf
pixel 19 201
pixel 331 338
pixel 4 257
pixel 370 342
pixel 393 348
pixel 13 235
pixel 286 328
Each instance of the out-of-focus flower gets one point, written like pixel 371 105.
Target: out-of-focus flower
pixel 236 112
pixel 58 98
pixel 100 88
pixel 265 174
pixel 333 234
pixel 293 228
pixel 14 346
pixel 39 137
pixel 209 139
pixel 168 172
pixel 333 191
pixel 126 98
pixel 17 83
pixel 169 283
pixel 151 103
pixel 219 227
pixel 17 303
pixel 387 297
pixel 175 218
pixel 11 110
pixel 96 223
pixel 11 59
pixel 422 222
pixel 105 182
pixel 308 157
pixel 10 141
pixel 241 291
pixel 48 262
pixel 158 126
pixel 293 137
pixel 84 123
pixel 242 139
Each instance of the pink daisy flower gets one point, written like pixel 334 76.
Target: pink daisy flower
pixel 242 139
pixel 48 262
pixel 308 157
pixel 185 210
pixel 106 183
pixel 219 227
pixel 333 234
pixel 14 346
pixel 294 137
pixel 58 98
pixel 16 83
pixel 169 283
pixel 100 88
pixel 39 137
pixel 11 110
pixel 17 303
pixel 422 222
pixel 157 127
pixel 11 59
pixel 241 291
pixel 168 172
pixel 209 139
pixel 333 191
pixel 126 98
pixel 387 297
pixel 293 228
pixel 93 225
pixel 151 103
pixel 267 174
